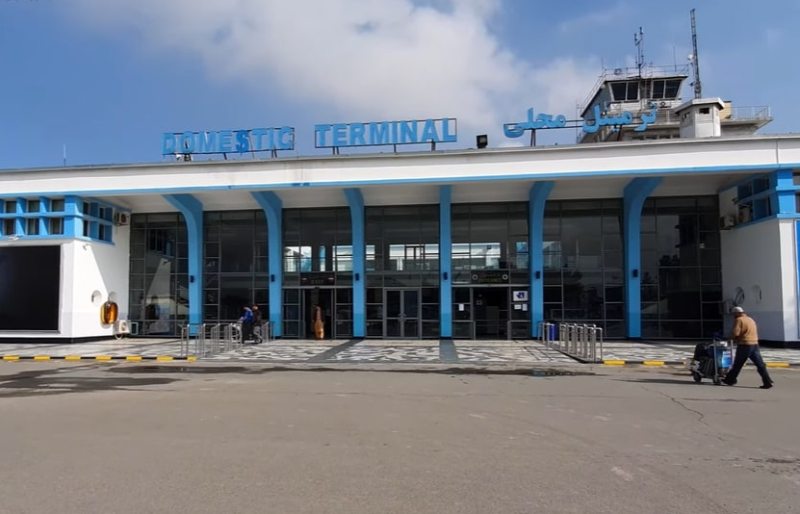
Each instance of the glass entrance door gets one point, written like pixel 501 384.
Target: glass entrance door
pixel 402 313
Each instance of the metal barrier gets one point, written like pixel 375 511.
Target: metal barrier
pixel 582 341
pixel 193 335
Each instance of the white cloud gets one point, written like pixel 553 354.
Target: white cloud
pixel 363 60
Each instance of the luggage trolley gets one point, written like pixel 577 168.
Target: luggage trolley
pixel 711 360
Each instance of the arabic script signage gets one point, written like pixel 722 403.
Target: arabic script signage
pixel 228 141
pixel 549 121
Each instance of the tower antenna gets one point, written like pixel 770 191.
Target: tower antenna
pixel 698 88
pixel 638 40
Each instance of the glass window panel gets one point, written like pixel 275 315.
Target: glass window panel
pixel 344 295
pixel 711 294
pixel 430 311
pixel 375 312
pixel 615 293
pixel 430 329
pixel 552 294
pixel 649 310
pixel 32 226
pixel 712 311
pixel 430 295
pixel 374 328
pixel 615 311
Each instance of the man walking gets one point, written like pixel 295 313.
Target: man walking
pixel 745 334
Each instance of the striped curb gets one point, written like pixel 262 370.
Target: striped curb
pixel 658 364
pixel 98 358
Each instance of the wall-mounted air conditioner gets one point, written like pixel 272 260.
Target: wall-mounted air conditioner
pixel 727 222
pixel 121 218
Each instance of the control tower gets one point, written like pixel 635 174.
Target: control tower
pixel 643 90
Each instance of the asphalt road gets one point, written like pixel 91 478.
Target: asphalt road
pixel 136 438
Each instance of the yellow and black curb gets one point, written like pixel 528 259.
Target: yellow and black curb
pixel 661 364
pixel 98 358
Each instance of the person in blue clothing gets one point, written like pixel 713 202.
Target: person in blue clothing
pixel 247 324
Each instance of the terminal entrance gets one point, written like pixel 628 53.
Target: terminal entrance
pixel 402 313
pixel 491 312
pixel 318 302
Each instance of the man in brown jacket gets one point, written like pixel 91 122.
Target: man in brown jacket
pixel 745 334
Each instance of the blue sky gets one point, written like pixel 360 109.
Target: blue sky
pixel 107 77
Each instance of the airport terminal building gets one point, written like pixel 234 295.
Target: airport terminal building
pixel 653 225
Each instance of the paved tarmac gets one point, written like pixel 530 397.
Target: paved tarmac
pixel 482 352
pixel 238 437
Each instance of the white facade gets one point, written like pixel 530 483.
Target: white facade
pixel 759 259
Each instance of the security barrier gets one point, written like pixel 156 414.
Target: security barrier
pixel 582 341
pixel 204 340
pixel 193 339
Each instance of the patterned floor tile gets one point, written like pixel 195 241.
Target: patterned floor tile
pixel 412 353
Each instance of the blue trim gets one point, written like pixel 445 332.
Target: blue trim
pixel 784 192
pixel 439 180
pixel 537 198
pixel 19 222
pixel 192 210
pixel 44 223
pixel 797 267
pixel 636 192
pixel 445 262
pixel 273 210
pixel 73 225
pixel 356 202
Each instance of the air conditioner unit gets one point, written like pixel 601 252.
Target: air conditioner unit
pixel 121 218
pixel 122 327
pixel 727 222
pixel 745 214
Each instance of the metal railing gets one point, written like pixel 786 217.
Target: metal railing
pixel 193 339
pixel 578 340
pixel 203 340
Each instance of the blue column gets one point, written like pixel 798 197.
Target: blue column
pixel 783 184
pixel 44 222
pixel 73 225
pixel 636 192
pixel 19 223
pixel 445 262
pixel 273 209
pixel 356 203
pixel 536 202
pixel 192 210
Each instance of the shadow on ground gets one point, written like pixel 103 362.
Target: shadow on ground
pixel 203 370
pixel 54 382
pixel 687 382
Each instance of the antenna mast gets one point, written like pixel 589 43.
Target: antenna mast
pixel 698 88
pixel 638 40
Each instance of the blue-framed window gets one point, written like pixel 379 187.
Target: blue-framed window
pixel 42 217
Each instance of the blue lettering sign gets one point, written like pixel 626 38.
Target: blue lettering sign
pixel 548 121
pixel 242 142
pixel 403 132
pixel 227 141
pixel 379 133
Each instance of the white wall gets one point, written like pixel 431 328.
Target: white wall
pixel 791 315
pixel 753 260
pixel 94 267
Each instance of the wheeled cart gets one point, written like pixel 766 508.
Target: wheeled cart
pixel 711 360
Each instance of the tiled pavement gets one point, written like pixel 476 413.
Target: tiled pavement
pixel 679 352
pixel 380 351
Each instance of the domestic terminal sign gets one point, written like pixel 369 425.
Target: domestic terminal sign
pixel 228 141
pixel 375 133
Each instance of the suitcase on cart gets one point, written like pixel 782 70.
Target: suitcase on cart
pixel 711 360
